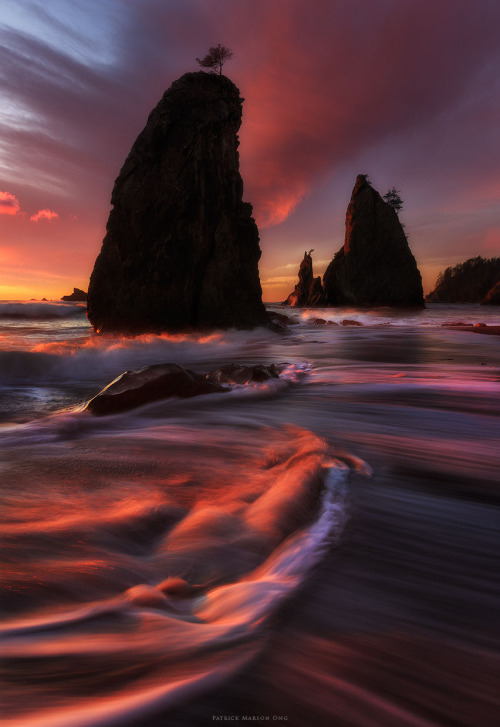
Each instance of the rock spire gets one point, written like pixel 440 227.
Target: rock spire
pixel 308 291
pixel 181 249
pixel 375 266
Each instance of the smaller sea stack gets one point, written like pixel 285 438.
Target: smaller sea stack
pixel 77 294
pixel 308 292
pixel 375 266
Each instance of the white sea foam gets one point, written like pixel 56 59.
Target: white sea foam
pixel 210 637
pixel 40 309
pixel 434 314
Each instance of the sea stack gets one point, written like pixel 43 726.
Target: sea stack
pixel 77 295
pixel 375 267
pixel 181 249
pixel 308 291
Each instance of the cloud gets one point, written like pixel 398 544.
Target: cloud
pixel 45 214
pixel 405 92
pixel 9 204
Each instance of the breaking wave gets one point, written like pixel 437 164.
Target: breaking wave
pixel 189 586
pixel 40 309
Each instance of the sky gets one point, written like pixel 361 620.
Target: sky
pixel 406 91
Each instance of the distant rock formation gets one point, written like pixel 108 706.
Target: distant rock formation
pixel 181 249
pixel 493 296
pixel 375 267
pixel 308 292
pixel 467 282
pixel 77 294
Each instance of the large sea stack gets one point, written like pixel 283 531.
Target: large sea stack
pixel 182 248
pixel 308 291
pixel 375 267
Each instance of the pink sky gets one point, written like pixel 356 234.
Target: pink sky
pixel 404 90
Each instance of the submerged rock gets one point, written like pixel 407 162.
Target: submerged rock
pixel 77 294
pixel 375 266
pixel 308 292
pixel 492 296
pixel 161 381
pixel 182 248
pixel 237 374
pixel 281 319
pixel 151 383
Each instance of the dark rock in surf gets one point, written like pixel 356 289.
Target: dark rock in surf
pixel 281 319
pixel 349 322
pixel 182 248
pixel 161 381
pixel 151 383
pixel 77 295
pixel 308 292
pixel 375 266
pixel 492 296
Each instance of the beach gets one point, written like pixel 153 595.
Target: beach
pixel 315 549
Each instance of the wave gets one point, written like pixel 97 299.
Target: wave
pixel 100 359
pixel 40 309
pixel 71 421
pixel 228 561
pixel 433 315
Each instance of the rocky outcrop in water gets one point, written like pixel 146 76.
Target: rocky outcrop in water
pixel 492 297
pixel 161 381
pixel 182 248
pixel 375 266
pixel 308 291
pixel 77 294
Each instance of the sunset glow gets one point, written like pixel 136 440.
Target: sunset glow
pixel 331 90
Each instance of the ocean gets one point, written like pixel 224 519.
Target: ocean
pixel 318 549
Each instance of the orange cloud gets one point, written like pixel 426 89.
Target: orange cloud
pixel 44 215
pixel 9 205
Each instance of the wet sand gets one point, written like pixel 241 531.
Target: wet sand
pixel 487 330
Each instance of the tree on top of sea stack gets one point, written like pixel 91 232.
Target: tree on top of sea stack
pixel 375 266
pixel 393 197
pixel 216 56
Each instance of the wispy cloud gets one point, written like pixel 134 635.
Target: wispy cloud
pixel 45 214
pixel 9 204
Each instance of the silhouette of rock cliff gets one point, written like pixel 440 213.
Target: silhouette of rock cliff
pixel 308 291
pixel 375 267
pixel 182 248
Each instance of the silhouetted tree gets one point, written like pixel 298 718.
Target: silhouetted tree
pixel 467 282
pixel 216 56
pixel 394 199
